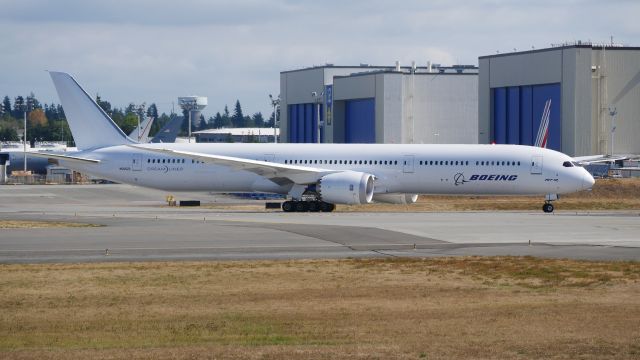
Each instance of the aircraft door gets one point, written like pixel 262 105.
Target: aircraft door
pixel 408 164
pixel 536 164
pixel 136 164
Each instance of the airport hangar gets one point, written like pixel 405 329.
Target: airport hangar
pixel 501 102
pixel 378 104
pixel 582 81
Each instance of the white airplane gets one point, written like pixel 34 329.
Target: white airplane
pixel 314 176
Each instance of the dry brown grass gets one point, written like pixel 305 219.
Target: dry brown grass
pixel 501 307
pixel 31 224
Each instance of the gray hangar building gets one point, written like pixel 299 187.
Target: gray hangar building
pixel 562 96
pixel 380 104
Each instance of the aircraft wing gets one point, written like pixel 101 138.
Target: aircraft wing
pixel 47 155
pixel 594 159
pixel 280 174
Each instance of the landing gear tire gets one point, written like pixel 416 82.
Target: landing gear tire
pixel 287 206
pixel 301 206
pixel 326 207
pixel 314 206
pixel 548 208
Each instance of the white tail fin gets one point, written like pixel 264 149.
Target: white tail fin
pixel 543 130
pixel 90 125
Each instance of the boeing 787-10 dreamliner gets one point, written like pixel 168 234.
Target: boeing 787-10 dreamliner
pixel 314 176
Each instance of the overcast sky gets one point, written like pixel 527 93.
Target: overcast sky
pixel 155 51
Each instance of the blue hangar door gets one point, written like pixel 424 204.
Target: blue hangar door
pixel 360 121
pixel 303 122
pixel 527 115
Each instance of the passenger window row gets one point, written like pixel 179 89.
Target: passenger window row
pixel 497 163
pixel 443 162
pixel 172 161
pixel 341 162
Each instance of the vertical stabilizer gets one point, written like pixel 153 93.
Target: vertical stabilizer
pixel 141 134
pixel 90 125
pixel 169 131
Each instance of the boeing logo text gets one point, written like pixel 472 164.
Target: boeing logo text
pixel 496 177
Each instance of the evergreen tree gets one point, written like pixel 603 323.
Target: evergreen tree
pixel 257 119
pixel 6 104
pixel 271 121
pixel 60 112
pixel 118 117
pixel 32 102
pixel 226 119
pixel 237 120
pixel 105 105
pixel 18 107
pixel 248 121
pixel 51 112
pixel 218 121
pixel 131 109
pixel 152 111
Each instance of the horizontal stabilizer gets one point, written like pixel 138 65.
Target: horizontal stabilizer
pixel 76 159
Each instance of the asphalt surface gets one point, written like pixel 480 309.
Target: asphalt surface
pixel 138 227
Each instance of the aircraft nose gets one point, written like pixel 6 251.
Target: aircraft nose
pixel 587 180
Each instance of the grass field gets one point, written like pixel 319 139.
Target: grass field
pixel 445 308
pixel 30 224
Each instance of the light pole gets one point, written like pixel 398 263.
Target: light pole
pixel 275 103
pixel 318 99
pixel 613 112
pixel 24 141
pixel 25 107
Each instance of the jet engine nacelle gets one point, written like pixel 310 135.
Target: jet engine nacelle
pixel 403 199
pixel 347 187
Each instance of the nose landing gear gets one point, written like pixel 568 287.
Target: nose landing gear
pixel 548 206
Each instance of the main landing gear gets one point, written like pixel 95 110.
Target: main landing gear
pixel 307 206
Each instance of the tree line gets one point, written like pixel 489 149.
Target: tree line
pixel 47 122
pixel 228 120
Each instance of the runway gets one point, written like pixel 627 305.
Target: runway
pixel 138 227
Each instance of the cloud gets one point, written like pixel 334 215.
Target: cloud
pixel 155 51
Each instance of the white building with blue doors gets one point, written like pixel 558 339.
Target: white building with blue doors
pixel 572 87
pixel 380 104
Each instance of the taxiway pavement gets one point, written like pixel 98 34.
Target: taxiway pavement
pixel 138 227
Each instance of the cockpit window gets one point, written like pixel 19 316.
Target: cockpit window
pixel 567 164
